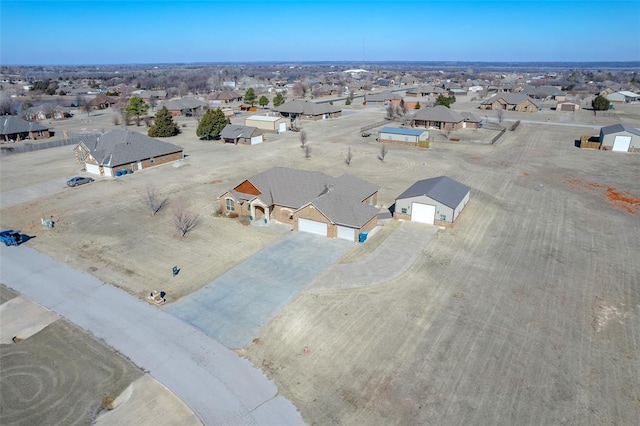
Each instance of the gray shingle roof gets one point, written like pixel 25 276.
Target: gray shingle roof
pixel 233 131
pixel 615 128
pixel 442 189
pixel 343 210
pixel 183 103
pixel 304 107
pixel 438 113
pixel 296 188
pixel 10 125
pixel 509 98
pixel 382 96
pixel 122 146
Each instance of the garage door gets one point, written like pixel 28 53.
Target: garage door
pixel 621 143
pixel 346 233
pixel 423 213
pixel 282 127
pixel 93 168
pixel 256 140
pixel 312 226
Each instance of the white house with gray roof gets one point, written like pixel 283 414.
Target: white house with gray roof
pixel 310 201
pixel 403 136
pixel 120 149
pixel 620 138
pixel 438 201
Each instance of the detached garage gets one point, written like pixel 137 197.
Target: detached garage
pixel 620 138
pixel 267 123
pixel 435 201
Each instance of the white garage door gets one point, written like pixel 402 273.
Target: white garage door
pixel 312 226
pixel 346 233
pixel 256 140
pixel 282 127
pixel 423 213
pixel 93 168
pixel 621 143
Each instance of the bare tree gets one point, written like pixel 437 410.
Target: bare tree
pixel 303 139
pixel 307 151
pixel 390 111
pixel 349 157
pixel 383 152
pixel 183 218
pixel 183 88
pixel 500 115
pixel 152 199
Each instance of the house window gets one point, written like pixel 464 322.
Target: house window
pixel 152 160
pixel 404 211
pixel 230 204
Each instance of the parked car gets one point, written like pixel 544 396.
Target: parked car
pixel 79 180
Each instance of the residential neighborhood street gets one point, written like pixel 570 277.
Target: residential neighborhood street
pixel 219 386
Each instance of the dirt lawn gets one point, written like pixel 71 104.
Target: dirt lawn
pixel 526 311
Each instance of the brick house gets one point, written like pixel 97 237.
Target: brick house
pixel 304 109
pixel 511 102
pixel 119 149
pixel 310 201
pixel 185 106
pixel 47 112
pixel 15 129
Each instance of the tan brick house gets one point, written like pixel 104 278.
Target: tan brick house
pixel 518 102
pixel 310 201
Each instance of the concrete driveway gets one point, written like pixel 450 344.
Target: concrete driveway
pixel 232 308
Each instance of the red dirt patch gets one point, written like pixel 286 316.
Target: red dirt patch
pixel 622 200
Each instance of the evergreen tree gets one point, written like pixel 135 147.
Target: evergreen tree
pixel 163 125
pixel 136 107
pixel 417 106
pixel 445 100
pixel 347 102
pixel 250 96
pixel 263 101
pixel 278 100
pixel 600 103
pixel 211 124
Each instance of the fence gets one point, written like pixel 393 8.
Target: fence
pixel 36 146
pixel 497 137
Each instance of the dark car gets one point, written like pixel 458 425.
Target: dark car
pixel 79 180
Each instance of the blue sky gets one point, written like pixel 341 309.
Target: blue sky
pixel 135 32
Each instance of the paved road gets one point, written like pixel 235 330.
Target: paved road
pixel 220 387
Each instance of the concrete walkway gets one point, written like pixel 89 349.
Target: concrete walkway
pixel 388 261
pixel 220 387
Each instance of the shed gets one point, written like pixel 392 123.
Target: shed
pixel 620 138
pixel 245 135
pixel 403 136
pixel 438 200
pixel 267 123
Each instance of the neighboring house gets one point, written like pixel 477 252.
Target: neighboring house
pixel 567 106
pixel 185 106
pixel 308 110
pixel 620 138
pixel 544 92
pixel 267 123
pixel 382 98
pixel 410 102
pixel 225 96
pixel 244 135
pixel 623 96
pixel 147 95
pixel 47 112
pixel 510 101
pixel 443 118
pixel 403 136
pixel 312 202
pixel 15 129
pixel 427 90
pixel 102 101
pixel 435 201
pixel 119 149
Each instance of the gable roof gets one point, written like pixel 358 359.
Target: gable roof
pixel 343 210
pixel 10 125
pixel 509 98
pixel 438 113
pixel 183 103
pixel 616 128
pixel 382 96
pixel 305 107
pixel 225 95
pixel 295 188
pixel 442 189
pixel 402 131
pixel 122 146
pixel 233 131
